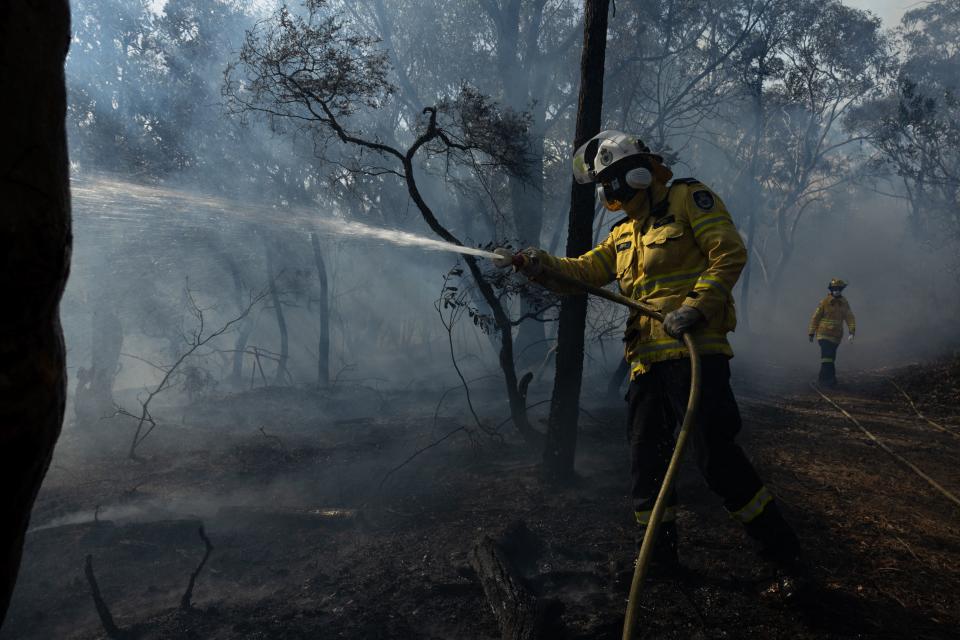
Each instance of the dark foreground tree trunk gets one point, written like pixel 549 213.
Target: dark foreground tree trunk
pixel 561 441
pixel 35 245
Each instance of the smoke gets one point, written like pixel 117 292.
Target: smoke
pixel 173 195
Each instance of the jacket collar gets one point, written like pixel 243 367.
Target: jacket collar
pixel 639 206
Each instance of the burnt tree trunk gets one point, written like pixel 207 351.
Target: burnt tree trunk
pixel 527 199
pixel 93 400
pixel 520 67
pixel 278 311
pixel 232 267
pixel 754 204
pixel 35 238
pixel 561 441
pixel 323 347
pixel 516 399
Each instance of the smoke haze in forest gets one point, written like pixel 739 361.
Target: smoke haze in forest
pixel 152 105
pixel 270 340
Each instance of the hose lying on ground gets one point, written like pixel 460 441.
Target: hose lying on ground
pixel 933 483
pixel 650 536
pixel 933 424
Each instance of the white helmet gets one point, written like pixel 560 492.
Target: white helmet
pixel 618 162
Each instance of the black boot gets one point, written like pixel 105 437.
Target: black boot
pixel 664 560
pixel 828 376
pixel 779 546
pixel 791 579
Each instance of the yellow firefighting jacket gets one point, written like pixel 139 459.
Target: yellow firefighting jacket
pixel 827 321
pixel 686 252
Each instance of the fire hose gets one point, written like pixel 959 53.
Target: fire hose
pixel 693 401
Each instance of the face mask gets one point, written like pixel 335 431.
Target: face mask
pixel 836 293
pixel 609 195
pixel 618 191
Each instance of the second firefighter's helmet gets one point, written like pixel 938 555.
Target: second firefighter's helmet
pixel 837 284
pixel 620 164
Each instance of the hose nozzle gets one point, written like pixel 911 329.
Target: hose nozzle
pixel 507 259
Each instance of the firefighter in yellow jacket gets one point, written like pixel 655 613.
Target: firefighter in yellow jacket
pixel 826 326
pixel 676 250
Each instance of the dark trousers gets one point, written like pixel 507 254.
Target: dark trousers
pixel 657 402
pixel 828 359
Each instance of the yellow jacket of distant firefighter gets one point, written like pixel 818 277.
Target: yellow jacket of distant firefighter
pixel 827 321
pixel 687 251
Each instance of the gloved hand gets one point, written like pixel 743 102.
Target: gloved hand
pixel 527 261
pixel 678 322
pixel 531 265
pixel 811 337
pixel 850 338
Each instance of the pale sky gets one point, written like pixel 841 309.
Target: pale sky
pixel 890 11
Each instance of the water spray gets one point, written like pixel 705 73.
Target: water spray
pixel 109 200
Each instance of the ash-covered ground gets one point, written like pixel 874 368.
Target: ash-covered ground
pixel 317 534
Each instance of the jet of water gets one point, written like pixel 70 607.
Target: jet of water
pixel 394 236
pixel 108 199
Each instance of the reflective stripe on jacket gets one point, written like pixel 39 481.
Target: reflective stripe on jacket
pixel 827 321
pixel 689 253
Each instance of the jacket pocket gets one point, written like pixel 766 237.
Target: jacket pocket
pixel 667 250
pixel 656 237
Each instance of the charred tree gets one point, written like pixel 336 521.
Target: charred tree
pixel 323 346
pixel 36 241
pixel 93 398
pixel 759 62
pixel 751 187
pixel 186 602
pixel 561 441
pixel 516 60
pixel 232 267
pixel 277 305
pixel 526 67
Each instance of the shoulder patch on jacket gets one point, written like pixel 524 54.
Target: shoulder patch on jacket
pixel 618 223
pixel 704 199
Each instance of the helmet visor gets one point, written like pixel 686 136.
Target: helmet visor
pixel 584 171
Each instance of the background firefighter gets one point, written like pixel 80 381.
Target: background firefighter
pixel 826 326
pixel 678 251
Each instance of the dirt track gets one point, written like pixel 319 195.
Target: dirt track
pixel 884 547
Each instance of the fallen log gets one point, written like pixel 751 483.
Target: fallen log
pixel 519 613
